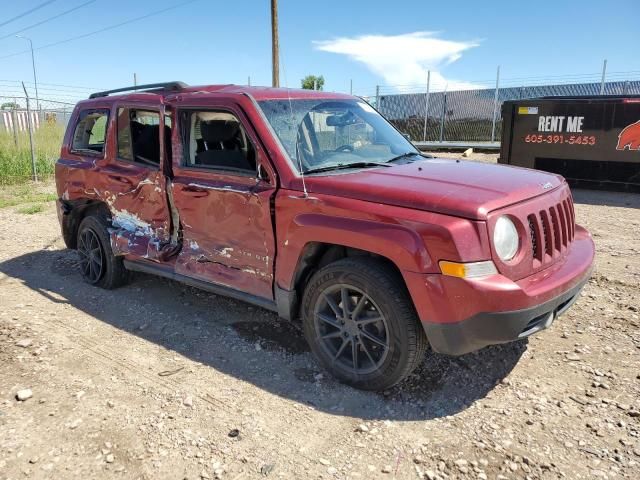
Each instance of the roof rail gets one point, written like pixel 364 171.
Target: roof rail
pixel 165 86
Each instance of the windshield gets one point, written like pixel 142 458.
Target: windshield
pixel 320 134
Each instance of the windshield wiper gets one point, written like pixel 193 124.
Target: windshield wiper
pixel 404 155
pixel 343 166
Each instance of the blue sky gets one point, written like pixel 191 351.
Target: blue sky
pixel 369 42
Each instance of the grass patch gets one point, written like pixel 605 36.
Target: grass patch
pixel 15 153
pixel 41 192
pixel 31 209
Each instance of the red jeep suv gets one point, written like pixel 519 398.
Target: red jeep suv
pixel 312 205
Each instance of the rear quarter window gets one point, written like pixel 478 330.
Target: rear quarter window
pixel 90 132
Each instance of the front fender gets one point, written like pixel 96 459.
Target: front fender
pixel 403 246
pixel 413 240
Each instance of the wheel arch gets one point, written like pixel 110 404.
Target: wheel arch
pixel 314 256
pixel 74 212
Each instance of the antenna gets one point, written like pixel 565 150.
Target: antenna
pixel 297 152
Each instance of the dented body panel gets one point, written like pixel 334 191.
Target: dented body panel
pixel 256 235
pixel 134 195
pixel 227 232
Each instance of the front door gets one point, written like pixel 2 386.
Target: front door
pixel 223 206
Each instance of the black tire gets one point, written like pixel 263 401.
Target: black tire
pixel 381 290
pixel 113 273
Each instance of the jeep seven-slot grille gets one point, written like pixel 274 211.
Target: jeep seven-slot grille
pixel 552 230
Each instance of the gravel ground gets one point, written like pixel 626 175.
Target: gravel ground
pixel 158 380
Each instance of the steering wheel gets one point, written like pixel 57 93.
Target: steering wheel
pixel 344 148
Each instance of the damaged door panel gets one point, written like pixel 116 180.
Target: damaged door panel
pixel 136 194
pixel 224 208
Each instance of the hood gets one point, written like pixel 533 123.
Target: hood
pixel 453 187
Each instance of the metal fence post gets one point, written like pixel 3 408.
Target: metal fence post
pixel 29 124
pixel 625 88
pixel 426 107
pixel 378 97
pixel 604 74
pixel 444 112
pixel 495 106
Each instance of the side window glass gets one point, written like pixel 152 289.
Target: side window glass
pixel 139 136
pixel 216 140
pixel 90 133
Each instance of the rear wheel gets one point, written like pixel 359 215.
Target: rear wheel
pixel 98 265
pixel 361 324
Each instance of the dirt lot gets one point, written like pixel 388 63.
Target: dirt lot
pixel 157 380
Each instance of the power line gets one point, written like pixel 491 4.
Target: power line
pixel 73 87
pixel 47 19
pixel 111 27
pixel 46 91
pixel 37 7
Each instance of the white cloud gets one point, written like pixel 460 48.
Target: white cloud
pixel 403 60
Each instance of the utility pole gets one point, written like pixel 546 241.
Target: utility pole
pixel 135 81
pixel 33 64
pixel 275 56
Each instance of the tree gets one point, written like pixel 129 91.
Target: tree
pixel 311 82
pixel 9 106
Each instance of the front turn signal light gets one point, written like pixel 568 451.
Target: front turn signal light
pixel 468 270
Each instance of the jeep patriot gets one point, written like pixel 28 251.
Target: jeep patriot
pixel 312 205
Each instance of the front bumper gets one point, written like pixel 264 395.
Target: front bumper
pixel 463 315
pixel 491 328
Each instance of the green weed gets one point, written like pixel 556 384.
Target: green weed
pixel 15 153
pixel 31 209
pixel 24 193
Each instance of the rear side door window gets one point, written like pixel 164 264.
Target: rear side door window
pixel 138 136
pixel 90 132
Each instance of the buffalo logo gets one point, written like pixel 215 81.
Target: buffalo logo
pixel 629 137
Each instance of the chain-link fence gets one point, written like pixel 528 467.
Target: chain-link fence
pixel 30 137
pixel 468 115
pixel 14 116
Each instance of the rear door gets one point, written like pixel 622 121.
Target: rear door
pixel 223 205
pixel 136 186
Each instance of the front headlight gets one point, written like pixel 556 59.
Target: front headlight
pixel 505 239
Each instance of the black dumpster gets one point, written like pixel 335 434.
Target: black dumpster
pixel 594 142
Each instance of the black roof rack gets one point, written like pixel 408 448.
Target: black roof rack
pixel 165 86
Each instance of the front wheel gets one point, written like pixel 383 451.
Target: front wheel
pixel 361 325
